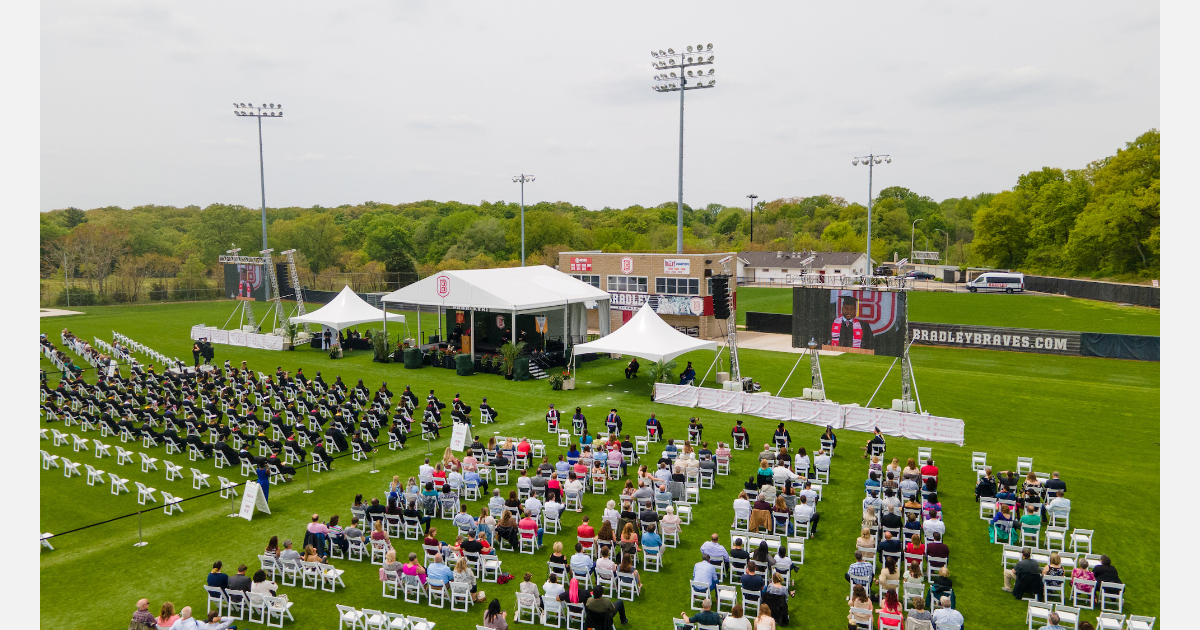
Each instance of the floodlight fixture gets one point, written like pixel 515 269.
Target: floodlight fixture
pixel 870 161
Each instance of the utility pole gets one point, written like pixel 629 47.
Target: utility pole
pixel 752 198
pixel 522 178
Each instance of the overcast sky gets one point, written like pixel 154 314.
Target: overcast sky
pixel 404 101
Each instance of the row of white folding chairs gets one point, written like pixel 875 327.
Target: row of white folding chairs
pixel 351 618
pixel 252 607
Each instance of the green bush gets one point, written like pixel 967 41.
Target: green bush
pixel 78 297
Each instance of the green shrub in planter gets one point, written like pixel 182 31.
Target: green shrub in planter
pixel 412 358
pixel 521 371
pixel 465 366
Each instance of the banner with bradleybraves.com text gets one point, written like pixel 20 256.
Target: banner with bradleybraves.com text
pixel 915 426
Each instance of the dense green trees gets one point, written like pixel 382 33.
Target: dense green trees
pixel 1100 220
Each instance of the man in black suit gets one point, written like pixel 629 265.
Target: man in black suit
pixel 484 407
pixel 889 544
pixel 891 520
pixel 631 370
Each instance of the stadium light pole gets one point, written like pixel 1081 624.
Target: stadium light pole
pixel 522 178
pixel 752 198
pixel 870 161
pixel 269 110
pixel 667 62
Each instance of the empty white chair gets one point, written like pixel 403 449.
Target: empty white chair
pixel 349 615
pixel 102 449
pixel 331 577
pixel 1081 538
pixel 199 479
pixel 1137 622
pixel 144 493
pixel 80 442
pixel 1039 612
pixel 60 438
pixel 124 456
pixel 1110 621
pixel 94 475
pixel 118 484
pixel 49 461
pixel 227 487
pixel 173 471
pixel 70 468
pixel 171 503
pixel 1112 596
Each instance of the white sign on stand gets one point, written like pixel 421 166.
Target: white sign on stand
pixel 458 441
pixel 251 499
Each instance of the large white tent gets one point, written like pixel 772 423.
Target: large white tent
pixel 647 336
pixel 347 309
pixel 516 290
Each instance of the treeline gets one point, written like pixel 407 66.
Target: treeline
pixel 1099 221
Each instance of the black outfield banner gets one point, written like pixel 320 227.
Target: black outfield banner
pixel 992 338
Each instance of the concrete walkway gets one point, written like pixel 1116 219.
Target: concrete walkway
pixel 55 312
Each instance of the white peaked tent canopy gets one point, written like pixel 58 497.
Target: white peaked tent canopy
pixel 515 290
pixel 647 336
pixel 347 309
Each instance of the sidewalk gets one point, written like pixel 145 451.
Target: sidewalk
pixel 773 341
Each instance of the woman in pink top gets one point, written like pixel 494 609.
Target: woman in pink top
pixel 1081 572
pixel 412 567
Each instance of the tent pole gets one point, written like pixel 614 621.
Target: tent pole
pixel 418 325
pixel 514 328
pixel 715 357
pixel 566 326
pixel 472 335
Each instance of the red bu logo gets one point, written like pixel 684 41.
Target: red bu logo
pixel 627 265
pixel 443 286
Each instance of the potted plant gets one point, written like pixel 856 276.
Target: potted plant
pixel 335 351
pixel 380 345
pixel 440 358
pixel 661 373
pixel 556 382
pixel 568 380
pixel 510 354
pixel 292 330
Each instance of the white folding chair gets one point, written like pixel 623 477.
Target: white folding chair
pixel 349 615
pixel 1081 538
pixel 727 597
pixel 1024 465
pixel 173 471
pixel 49 461
pixel 1038 612
pixel 652 558
pixel 553 613
pixel 124 456
pixel 1114 601
pixel 1138 622
pixel 1109 621
pixel 171 503
pixel 626 585
pixel 527 608
pixel 1082 597
pixel 70 468
pixel 94 475
pixel 460 596
pixel 199 479
pixel 118 484
pixel 227 487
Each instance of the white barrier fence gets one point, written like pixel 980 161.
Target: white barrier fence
pixel 914 426
pixel 237 338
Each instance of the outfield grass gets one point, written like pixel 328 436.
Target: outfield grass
pixel 1064 412
pixel 1047 312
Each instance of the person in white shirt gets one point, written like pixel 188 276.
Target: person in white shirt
pixel 821 461
pixel 552 588
pixel 496 498
pixel 1059 505
pixel 801 462
pixel 524 482
pixel 553 507
pixel 946 618
pixel 742 505
pixel 533 506
pixel 574 485
pixel 805 513
pixel 810 494
pixel 934 524
pixel 425 472
pixel 782 475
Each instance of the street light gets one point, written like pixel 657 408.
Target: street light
pixel 752 198
pixel 667 63
pixel 912 241
pixel 268 110
pixel 522 178
pixel 947 242
pixel 870 161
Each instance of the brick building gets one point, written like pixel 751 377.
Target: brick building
pixel 677 286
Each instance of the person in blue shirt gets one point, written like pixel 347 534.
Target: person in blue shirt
pixel 437 570
pixel 688 375
pixel 752 582
pixel 572 455
pixel 264 478
pixel 585 439
pixel 872 483
pixel 650 538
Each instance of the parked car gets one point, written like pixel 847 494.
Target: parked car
pixel 920 275
pixel 885 271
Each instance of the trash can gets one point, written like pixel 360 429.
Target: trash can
pixel 412 358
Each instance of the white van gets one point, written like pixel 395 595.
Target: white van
pixel 998 281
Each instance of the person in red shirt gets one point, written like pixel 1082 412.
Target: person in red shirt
pixel 929 470
pixel 439 476
pixel 554 488
pixel 586 531
pixel 528 527
pixel 524 449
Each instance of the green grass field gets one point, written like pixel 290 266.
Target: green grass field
pixel 1064 412
pixel 1047 312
